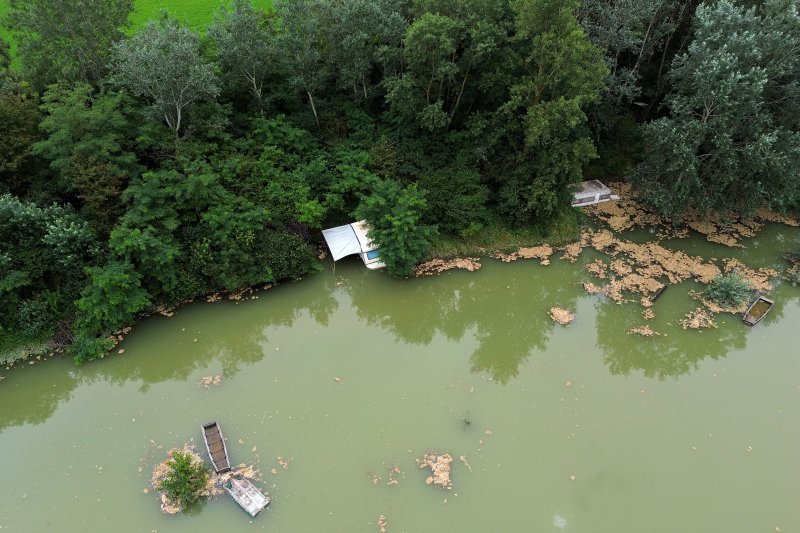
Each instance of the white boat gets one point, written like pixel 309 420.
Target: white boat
pixel 247 495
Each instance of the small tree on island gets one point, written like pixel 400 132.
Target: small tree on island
pixel 185 480
pixel 730 290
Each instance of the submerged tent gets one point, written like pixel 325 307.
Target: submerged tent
pixel 352 239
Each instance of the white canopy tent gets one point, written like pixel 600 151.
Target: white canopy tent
pixel 352 239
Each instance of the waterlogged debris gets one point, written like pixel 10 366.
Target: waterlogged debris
pixel 591 288
pixel 571 252
pixel 698 319
pixel 562 316
pixel 214 298
pixel 758 278
pixel 463 459
pixel 207 381
pixel 394 471
pixel 440 469
pixel 163 310
pixel 337 379
pixel 542 253
pixel 382 524
pixel 283 462
pixel 644 331
pixel 598 268
pixel 437 266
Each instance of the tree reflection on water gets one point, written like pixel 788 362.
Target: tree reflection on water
pixel 507 314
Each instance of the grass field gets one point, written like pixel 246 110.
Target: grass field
pixel 197 14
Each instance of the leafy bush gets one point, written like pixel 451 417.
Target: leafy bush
pixel 394 215
pixel 730 290
pixel 185 480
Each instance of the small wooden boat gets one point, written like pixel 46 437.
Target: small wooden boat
pixel 757 310
pixel 247 495
pixel 659 292
pixel 215 444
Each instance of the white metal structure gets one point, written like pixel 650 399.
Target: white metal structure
pixel 352 239
pixel 592 192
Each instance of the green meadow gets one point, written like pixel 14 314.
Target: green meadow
pixel 197 14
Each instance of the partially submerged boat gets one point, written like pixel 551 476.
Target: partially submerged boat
pixel 215 444
pixel 592 192
pixel 757 310
pixel 247 495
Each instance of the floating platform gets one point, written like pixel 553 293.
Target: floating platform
pixel 757 310
pixel 247 495
pixel 215 444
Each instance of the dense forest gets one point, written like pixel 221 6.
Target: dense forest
pixel 153 166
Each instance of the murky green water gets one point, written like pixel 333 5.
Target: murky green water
pixel 689 432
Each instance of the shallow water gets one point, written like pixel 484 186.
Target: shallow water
pixel 691 431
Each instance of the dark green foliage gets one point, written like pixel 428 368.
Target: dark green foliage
pixel 68 40
pixel 470 117
pixel 42 255
pixel 456 199
pixel 185 480
pixel 112 298
pixel 730 290
pixel 394 214
pixel 19 121
pixel 162 63
pixel 732 139
pixel 89 146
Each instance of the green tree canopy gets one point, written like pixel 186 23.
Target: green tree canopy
pixel 731 140
pixel 68 40
pixel 162 64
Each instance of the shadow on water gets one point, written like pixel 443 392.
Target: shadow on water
pixel 507 314
pixel 34 398
pixel 228 334
pixel 677 351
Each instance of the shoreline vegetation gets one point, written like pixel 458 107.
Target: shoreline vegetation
pixel 147 164
pixel 631 272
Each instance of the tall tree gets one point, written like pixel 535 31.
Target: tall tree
pixel 245 44
pixel 68 40
pixel 394 214
pixel 731 140
pixel 304 43
pixel 452 51
pixel 162 64
pixel 564 72
pixel 366 33
pixel 85 128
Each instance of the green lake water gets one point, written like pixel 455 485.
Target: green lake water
pixel 688 432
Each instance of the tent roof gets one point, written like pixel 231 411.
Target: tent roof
pixel 342 241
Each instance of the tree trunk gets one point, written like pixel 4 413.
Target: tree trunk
pixel 313 107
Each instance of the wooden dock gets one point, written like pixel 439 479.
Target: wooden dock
pixel 215 444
